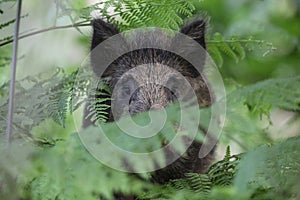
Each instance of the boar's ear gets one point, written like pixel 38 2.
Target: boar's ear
pixel 106 53
pixel 195 30
pixel 189 49
pixel 101 31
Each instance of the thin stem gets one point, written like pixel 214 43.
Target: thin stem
pixel 45 30
pixel 13 75
pixel 238 41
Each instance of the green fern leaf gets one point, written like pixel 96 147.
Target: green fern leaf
pixel 263 96
pixel 216 55
pixel 199 182
pixel 237 47
pixel 224 47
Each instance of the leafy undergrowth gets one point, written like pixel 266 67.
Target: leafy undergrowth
pixel 66 170
pixel 59 167
pixel 267 172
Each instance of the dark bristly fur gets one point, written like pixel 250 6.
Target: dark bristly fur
pixel 148 95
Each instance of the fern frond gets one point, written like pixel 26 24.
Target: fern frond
pixel 57 106
pixel 6 38
pixel 199 182
pixel 222 172
pixel 46 98
pixel 216 55
pixel 58 96
pixel 142 13
pixel 228 154
pixel 238 47
pixel 224 47
pixel 5 24
pixel 263 96
pixel 235 47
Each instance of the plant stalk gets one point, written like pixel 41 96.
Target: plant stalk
pixel 13 75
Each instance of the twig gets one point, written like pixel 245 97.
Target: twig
pixel 13 75
pixel 45 30
pixel 240 41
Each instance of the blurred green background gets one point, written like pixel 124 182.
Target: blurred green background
pixel 274 21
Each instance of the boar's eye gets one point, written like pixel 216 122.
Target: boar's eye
pixel 125 91
pixel 127 88
pixel 174 86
